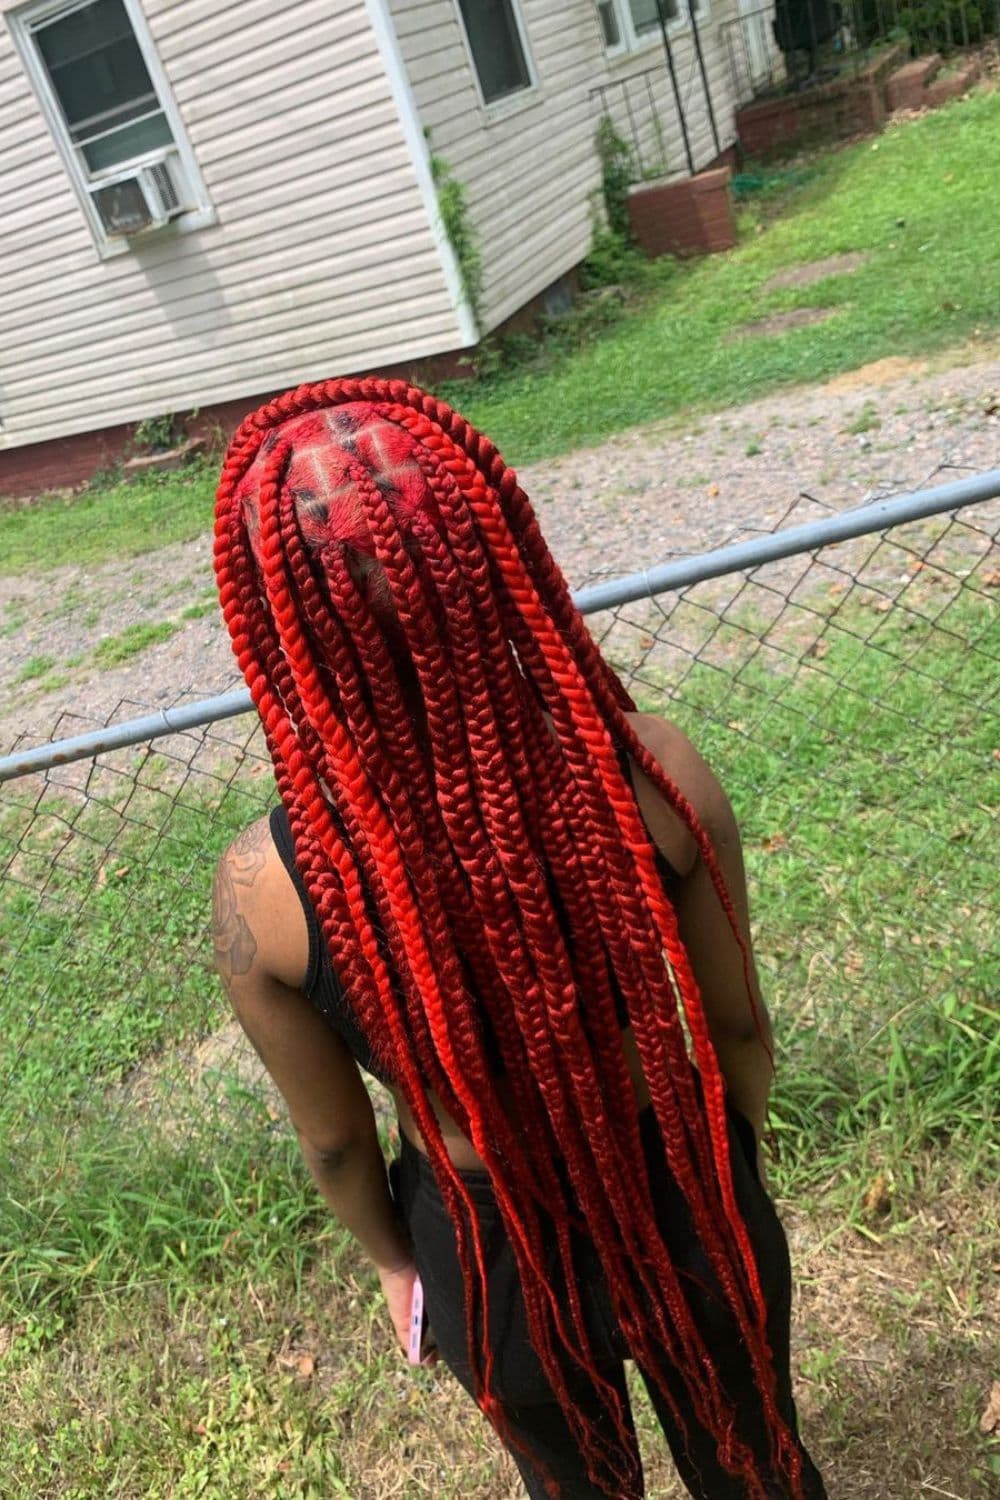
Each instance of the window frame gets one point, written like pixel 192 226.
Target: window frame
pixel 623 47
pixel 634 42
pixel 23 22
pixel 498 109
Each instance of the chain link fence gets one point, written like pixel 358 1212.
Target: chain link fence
pixel 843 694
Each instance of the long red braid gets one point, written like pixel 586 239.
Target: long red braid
pixel 489 876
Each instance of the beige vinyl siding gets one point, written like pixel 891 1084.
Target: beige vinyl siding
pixel 529 165
pixel 324 259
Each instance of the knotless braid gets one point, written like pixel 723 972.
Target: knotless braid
pixel 446 739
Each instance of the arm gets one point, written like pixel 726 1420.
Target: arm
pixel 261 949
pixel 715 955
pixel 741 1048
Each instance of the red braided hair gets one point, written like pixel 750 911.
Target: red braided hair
pixel 488 876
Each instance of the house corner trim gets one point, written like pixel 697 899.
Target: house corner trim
pixel 388 45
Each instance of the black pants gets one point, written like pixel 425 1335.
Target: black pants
pixel 520 1383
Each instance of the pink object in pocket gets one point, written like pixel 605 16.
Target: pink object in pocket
pixel 416 1322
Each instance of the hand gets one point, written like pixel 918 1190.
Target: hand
pixel 397 1288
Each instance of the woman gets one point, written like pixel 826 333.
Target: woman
pixel 522 905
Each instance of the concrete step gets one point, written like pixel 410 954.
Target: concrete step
pixel 952 85
pixel 907 86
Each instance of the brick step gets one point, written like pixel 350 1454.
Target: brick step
pixel 906 87
pixel 952 85
pixel 884 61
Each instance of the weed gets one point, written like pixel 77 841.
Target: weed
pixel 121 648
pixel 17 617
pixel 35 666
pixel 201 611
pixel 156 434
pixel 611 261
pixel 866 420
pixel 102 479
pixel 753 448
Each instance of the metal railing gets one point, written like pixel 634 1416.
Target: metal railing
pixel 643 114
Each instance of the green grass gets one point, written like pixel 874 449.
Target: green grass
pixel 925 287
pixel 201 611
pixel 53 681
pixel 858 779
pixel 121 648
pixel 865 420
pixel 113 651
pixel 111 519
pixel 35 666
pixel 15 617
pixel 94 881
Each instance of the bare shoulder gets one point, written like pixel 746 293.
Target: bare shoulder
pixel 691 775
pixel 257 918
pixel 678 756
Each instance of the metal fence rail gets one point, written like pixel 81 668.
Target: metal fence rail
pixel 838 674
pixel 811 536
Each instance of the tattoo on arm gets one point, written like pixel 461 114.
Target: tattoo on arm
pixel 235 944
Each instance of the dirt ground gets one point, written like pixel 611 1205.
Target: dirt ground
pixel 654 493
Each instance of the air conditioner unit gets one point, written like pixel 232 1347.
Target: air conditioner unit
pixel 140 199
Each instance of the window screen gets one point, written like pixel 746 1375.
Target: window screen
pixel 104 90
pixel 645 16
pixel 609 23
pixel 496 48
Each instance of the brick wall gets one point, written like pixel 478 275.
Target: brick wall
pixel 830 113
pixel 834 111
pixel 692 217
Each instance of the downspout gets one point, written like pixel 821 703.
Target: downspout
pixel 696 38
pixel 674 84
pixel 399 82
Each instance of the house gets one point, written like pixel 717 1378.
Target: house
pixel 205 201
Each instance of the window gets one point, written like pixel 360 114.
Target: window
pixel 94 68
pixel 627 25
pixel 609 24
pixel 646 16
pixel 496 41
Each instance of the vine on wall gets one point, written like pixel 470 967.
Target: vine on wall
pixel 617 175
pixel 454 208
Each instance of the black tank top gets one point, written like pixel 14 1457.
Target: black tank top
pixel 324 990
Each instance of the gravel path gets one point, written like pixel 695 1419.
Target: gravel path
pixel 644 496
